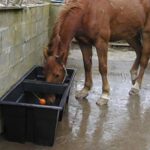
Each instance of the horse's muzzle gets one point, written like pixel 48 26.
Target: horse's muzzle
pixel 50 99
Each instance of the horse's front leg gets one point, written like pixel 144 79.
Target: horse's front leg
pixel 102 48
pixel 87 60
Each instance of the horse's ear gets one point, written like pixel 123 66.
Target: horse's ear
pixel 45 52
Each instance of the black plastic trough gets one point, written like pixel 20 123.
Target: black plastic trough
pixel 26 120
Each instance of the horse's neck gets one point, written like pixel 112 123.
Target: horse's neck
pixel 67 30
pixel 60 48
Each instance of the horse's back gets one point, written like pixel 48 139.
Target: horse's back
pixel 129 18
pixel 122 17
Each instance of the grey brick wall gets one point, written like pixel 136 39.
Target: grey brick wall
pixel 23 34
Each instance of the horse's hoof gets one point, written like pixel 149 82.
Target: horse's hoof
pixel 134 91
pixel 82 94
pixel 103 100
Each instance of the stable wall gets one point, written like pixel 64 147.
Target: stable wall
pixel 23 34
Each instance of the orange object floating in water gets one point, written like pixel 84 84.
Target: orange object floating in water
pixel 42 101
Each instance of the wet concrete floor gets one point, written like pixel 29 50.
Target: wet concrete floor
pixel 123 125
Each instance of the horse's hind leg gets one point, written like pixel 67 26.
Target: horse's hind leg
pixel 87 60
pixel 135 43
pixel 144 58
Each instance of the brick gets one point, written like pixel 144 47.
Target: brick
pixel 27 31
pixel 15 55
pixel 26 49
pixel 3 21
pixel 33 30
pixel 26 16
pixel 10 17
pixel 33 14
pixel 46 11
pixel 40 40
pixel 39 27
pixel 18 34
pixel 44 38
pixel 33 44
pixel 39 13
pixel 46 24
pixel 6 38
pixel 31 59
pixel 12 36
pixel 4 60
pixel 17 71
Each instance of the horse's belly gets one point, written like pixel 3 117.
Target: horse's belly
pixel 124 34
pixel 128 28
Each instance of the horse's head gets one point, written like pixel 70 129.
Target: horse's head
pixel 54 70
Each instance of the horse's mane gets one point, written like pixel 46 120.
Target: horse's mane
pixel 66 10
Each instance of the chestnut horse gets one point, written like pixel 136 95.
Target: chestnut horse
pixel 95 23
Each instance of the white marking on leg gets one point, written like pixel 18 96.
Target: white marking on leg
pixel 135 89
pixel 103 99
pixel 82 94
pixel 133 75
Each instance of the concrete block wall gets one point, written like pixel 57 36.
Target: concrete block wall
pixel 23 34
